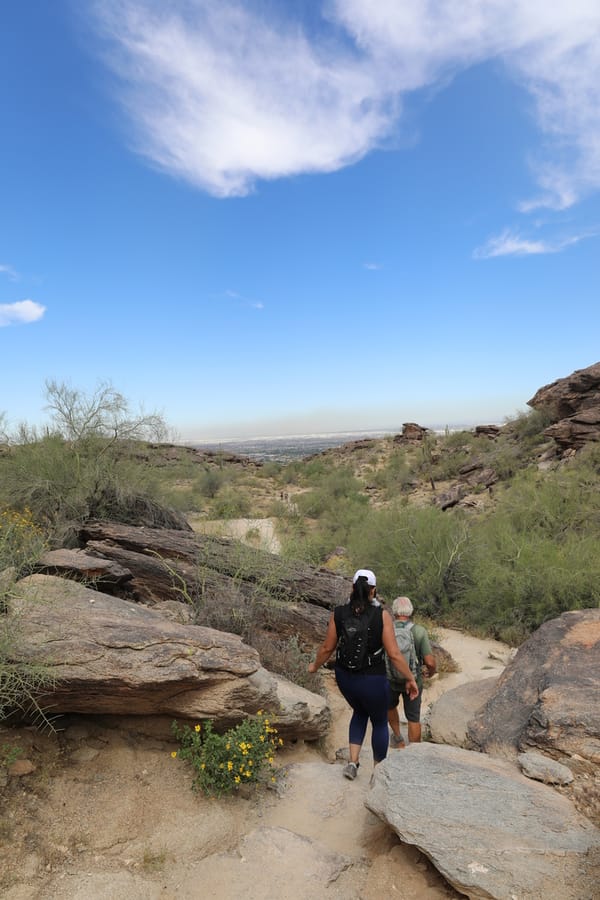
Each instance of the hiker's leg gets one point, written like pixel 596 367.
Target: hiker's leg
pixel 414 732
pixel 394 723
pixel 394 718
pixel 412 710
pixel 379 694
pixel 350 686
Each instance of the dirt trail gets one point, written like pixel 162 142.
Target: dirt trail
pixel 109 815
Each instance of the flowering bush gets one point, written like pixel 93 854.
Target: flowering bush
pixel 21 541
pixel 222 762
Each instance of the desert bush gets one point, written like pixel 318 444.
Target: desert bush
pixel 210 482
pixel 21 541
pixel 414 551
pixel 285 656
pixel 231 503
pixel 222 762
pixel 21 682
pixel 528 427
pixel 84 464
pixel 396 475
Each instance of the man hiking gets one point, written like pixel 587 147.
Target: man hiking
pixel 413 640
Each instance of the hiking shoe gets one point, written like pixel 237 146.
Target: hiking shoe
pixel 397 742
pixel 351 770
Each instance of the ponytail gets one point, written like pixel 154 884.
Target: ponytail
pixel 360 596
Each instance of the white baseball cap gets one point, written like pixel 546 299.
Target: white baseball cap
pixel 365 573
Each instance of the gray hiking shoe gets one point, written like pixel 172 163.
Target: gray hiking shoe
pixel 397 742
pixel 351 770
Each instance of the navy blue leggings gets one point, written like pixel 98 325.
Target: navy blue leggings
pixel 368 696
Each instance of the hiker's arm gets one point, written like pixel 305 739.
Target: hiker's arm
pixel 430 664
pixel 390 646
pixel 326 648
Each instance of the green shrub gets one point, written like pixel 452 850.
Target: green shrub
pixel 21 541
pixel 231 503
pixel 222 762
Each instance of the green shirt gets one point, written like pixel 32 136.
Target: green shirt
pixel 422 647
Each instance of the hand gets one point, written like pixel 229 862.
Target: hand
pixel 312 668
pixel 412 688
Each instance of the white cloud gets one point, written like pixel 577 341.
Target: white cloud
pixel 509 243
pixel 220 96
pixel 22 312
pixel 7 270
pixel 372 266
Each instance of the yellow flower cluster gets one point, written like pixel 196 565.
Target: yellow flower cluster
pixel 11 518
pixel 222 762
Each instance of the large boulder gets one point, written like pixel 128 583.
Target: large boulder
pixel 546 698
pixel 492 832
pixel 112 656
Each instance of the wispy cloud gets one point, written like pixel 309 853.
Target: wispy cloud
pixel 246 301
pixel 7 270
pixel 20 313
pixel 221 96
pixel 372 266
pixel 510 243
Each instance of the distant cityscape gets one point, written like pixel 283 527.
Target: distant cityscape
pixel 286 448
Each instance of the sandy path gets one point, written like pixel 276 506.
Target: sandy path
pixel 109 815
pixel 255 532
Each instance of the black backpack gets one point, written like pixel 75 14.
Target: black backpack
pixel 354 634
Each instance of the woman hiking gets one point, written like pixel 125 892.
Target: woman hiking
pixel 360 630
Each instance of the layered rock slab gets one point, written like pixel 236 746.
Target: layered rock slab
pixel 488 829
pixel 112 656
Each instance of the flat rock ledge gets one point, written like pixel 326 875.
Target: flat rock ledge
pixel 113 657
pixel 492 832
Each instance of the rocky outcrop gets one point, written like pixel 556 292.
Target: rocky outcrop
pixel 546 698
pixel 492 832
pixel 110 656
pixel 105 574
pixel 190 576
pixel 161 559
pixel 411 432
pixel 574 405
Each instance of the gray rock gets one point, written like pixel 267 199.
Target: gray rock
pixel 451 713
pixel 539 767
pixel 489 830
pixel 110 656
pixel 544 699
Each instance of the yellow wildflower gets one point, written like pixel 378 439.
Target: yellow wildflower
pixel 229 765
pixel 196 728
pixel 174 754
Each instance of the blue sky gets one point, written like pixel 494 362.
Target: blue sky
pixel 276 217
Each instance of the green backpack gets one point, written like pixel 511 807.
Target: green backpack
pixel 406 643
